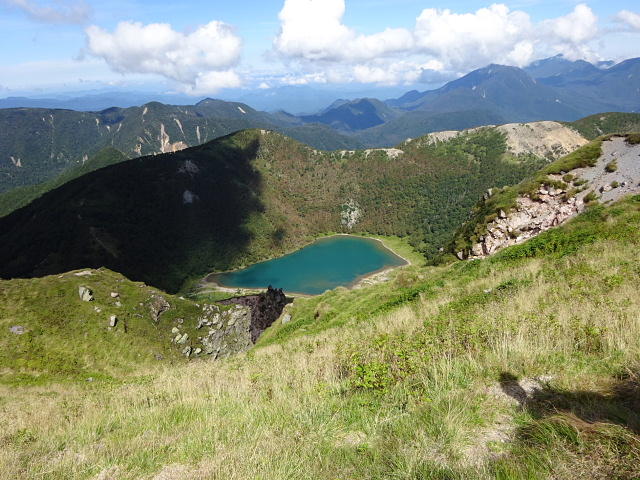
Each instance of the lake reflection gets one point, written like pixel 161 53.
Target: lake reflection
pixel 327 263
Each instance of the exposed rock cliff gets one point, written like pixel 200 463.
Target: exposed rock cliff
pixel 560 197
pixel 265 309
pixel 545 139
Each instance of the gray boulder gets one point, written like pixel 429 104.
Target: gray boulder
pixel 85 294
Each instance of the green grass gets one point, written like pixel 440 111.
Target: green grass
pixel 524 365
pixel 67 338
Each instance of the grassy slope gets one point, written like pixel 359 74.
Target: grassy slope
pixel 422 377
pixel 67 338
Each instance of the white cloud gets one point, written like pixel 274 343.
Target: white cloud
pixel 77 12
pixel 472 40
pixel 312 34
pixel 571 34
pixel 312 30
pixel 630 19
pixel 201 61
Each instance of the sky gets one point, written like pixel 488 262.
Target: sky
pixel 207 47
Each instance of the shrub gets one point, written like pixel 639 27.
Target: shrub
pixel 612 166
pixel 633 139
pixel 590 197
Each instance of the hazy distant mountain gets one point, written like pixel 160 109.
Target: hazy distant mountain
pixel 296 100
pixel 306 100
pixel 564 91
pixel 94 102
pixel 353 116
pixel 559 66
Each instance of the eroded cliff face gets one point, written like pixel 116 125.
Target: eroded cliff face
pixel 265 309
pixel 528 219
pixel 615 174
pixel 545 139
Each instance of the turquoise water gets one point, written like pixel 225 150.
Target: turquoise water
pixel 325 264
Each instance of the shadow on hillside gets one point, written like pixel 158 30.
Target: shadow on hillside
pixel 158 219
pixel 620 405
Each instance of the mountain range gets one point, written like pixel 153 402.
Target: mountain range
pixel 37 144
pixel 254 194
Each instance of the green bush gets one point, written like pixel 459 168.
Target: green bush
pixel 590 197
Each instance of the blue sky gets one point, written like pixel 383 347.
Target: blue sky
pixel 209 47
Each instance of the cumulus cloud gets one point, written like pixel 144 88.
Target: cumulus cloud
pixel 629 19
pixel 313 34
pixel 473 40
pixel 200 61
pixel 571 34
pixel 77 12
pixel 312 30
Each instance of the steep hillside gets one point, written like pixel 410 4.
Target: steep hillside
pixel 603 171
pixel 250 196
pixel 21 196
pixel 520 366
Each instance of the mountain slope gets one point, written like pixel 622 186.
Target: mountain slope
pixel 552 89
pixel 247 197
pixel 604 170
pixel 36 145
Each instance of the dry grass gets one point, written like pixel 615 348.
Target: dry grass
pixel 507 371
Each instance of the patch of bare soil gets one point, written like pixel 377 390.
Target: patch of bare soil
pixel 546 139
pixel 625 177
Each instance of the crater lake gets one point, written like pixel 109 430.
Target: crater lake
pixel 327 263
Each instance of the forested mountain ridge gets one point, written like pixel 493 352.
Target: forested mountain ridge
pixel 36 145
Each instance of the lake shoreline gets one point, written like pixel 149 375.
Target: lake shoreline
pixel 364 280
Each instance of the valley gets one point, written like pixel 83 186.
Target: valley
pixel 505 347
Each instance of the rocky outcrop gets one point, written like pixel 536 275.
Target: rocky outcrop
pixel 530 217
pixel 549 206
pixel 265 308
pixel 157 305
pixel 350 213
pixel 229 333
pixel 85 294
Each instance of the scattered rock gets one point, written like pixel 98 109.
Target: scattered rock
pixel 85 294
pixel 114 295
pixel 286 319
pixel 158 356
pixel 17 329
pixel 113 320
pixel 157 305
pixel 175 330
pixel 231 335
pixel 187 351
pixel 183 339
pixel 84 273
